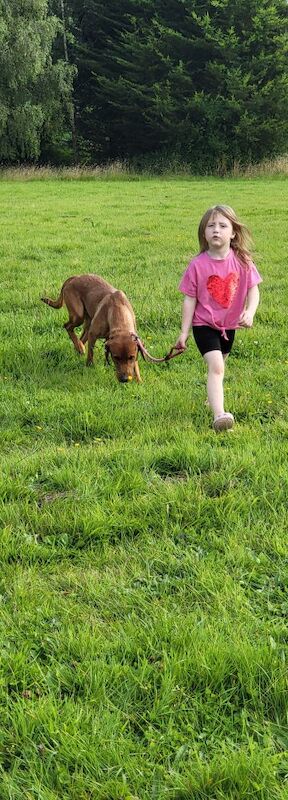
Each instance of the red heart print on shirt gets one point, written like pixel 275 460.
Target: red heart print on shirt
pixel 223 289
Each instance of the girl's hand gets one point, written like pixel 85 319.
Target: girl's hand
pixel 181 342
pixel 246 319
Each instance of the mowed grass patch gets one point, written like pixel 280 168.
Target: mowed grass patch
pixel 144 559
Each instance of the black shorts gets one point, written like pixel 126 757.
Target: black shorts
pixel 208 339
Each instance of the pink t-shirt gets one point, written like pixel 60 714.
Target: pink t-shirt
pixel 221 287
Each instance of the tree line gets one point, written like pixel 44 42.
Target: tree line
pixel 199 81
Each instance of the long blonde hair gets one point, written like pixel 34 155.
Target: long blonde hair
pixel 242 239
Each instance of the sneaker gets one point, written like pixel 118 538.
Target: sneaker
pixel 224 422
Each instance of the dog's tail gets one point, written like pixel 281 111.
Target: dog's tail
pixel 54 303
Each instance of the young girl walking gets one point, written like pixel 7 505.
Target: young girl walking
pixel 221 294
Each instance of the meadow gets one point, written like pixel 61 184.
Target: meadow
pixel 143 583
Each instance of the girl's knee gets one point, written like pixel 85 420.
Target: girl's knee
pixel 216 369
pixel 215 363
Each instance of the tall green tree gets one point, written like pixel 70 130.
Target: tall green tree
pixel 34 91
pixel 207 80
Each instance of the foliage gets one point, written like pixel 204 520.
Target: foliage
pixel 34 92
pixel 206 82
pixel 177 81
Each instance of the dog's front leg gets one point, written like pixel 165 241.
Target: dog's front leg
pixel 137 372
pixel 90 354
pixel 98 329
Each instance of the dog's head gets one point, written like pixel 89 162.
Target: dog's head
pixel 123 350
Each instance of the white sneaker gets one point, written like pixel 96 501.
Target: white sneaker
pixel 224 422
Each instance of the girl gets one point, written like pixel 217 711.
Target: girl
pixel 221 293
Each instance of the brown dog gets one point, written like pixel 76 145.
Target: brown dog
pixel 105 313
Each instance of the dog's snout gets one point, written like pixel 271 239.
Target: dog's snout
pixel 123 378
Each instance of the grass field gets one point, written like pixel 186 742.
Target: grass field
pixel 144 559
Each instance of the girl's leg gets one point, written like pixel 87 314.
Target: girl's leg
pixel 215 362
pixel 225 356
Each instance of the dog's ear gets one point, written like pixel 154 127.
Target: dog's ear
pixel 136 339
pixel 107 352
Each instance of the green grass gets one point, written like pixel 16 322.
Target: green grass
pixel 143 585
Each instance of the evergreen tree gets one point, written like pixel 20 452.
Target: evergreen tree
pixel 205 80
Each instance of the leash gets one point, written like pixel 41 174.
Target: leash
pixel 147 357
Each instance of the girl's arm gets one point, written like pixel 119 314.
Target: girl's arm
pixel 189 304
pixel 252 302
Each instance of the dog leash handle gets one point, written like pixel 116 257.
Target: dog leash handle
pixel 172 354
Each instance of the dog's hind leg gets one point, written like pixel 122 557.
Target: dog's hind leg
pixel 69 326
pixel 84 334
pixel 76 317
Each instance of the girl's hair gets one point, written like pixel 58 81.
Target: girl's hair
pixel 242 239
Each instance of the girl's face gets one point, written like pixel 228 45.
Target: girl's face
pixel 218 232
